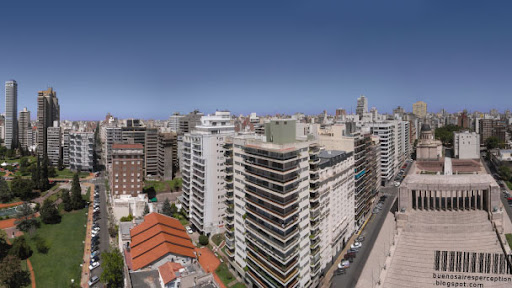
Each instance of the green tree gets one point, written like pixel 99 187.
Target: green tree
pixel 44 183
pixel 166 208
pixel 60 165
pixel 5 191
pixel 52 173
pixel 505 172
pixel 25 218
pixel 492 142
pixel 146 209
pixel 4 248
pixel 203 240
pixel 36 174
pixel 112 264
pixel 77 201
pixel 22 188
pixel 50 213
pixel 174 209
pixel 66 200
pixel 24 162
pixel 11 274
pixel 20 248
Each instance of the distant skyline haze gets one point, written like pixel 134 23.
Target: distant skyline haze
pixel 148 60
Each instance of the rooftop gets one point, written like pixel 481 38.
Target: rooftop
pixel 168 271
pixel 156 237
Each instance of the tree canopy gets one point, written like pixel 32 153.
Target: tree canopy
pixel 50 213
pixel 445 134
pixel 112 264
pixel 5 192
pixel 166 208
pixel 11 274
pixel 77 202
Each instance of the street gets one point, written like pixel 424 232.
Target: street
pixel 371 231
pixel 103 223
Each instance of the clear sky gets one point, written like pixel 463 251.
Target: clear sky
pixel 148 59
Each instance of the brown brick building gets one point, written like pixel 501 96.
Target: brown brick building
pixel 126 173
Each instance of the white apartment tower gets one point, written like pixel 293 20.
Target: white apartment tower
pixel 53 144
pixel 362 106
pixel 11 114
pixel 466 145
pixel 111 135
pixel 202 167
pixel 81 151
pixel 387 141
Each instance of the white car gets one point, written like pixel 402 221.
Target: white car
pixel 397 183
pixel 356 245
pixel 93 280
pixel 189 230
pixel 93 265
pixel 94 233
pixel 344 264
pixel 96 229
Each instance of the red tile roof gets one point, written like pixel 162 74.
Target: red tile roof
pixel 156 237
pixel 127 146
pixel 167 271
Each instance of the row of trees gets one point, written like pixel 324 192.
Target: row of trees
pixel 75 200
pixel 445 134
pixel 11 273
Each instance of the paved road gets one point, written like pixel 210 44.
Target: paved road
pixel 370 232
pixel 103 222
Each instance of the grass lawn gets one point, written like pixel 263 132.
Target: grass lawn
pixel 66 173
pixel 62 262
pixel 509 239
pixel 163 186
pixel 223 272
pixel 217 239
pixel 238 285
pixel 509 185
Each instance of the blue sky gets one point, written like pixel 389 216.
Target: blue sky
pixel 148 59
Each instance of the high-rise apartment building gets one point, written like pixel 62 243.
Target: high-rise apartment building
pixel 290 206
pixel 11 114
pixel 387 141
pixel 174 122
pixel 189 121
pixel 419 109
pixel 151 152
pixel 466 145
pixel 53 144
pixel 202 168
pixel 48 111
pixel 81 151
pixel 65 147
pixel 24 129
pixel 362 106
pixel 167 154
pixel 112 135
pixel 126 170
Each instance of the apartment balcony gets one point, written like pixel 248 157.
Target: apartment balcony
pixel 265 185
pixel 261 269
pixel 272 166
pixel 229 171
pixel 229 186
pixel 282 269
pixel 314 177
pixel 284 237
pixel 314 149
pixel 229 163
pixel 280 201
pixel 278 223
pixel 228 153
pixel 230 195
pixel 230 236
pixel 282 257
pixel 228 146
pixel 314 235
pixel 272 210
pixel 230 251
pixel 230 218
pixel 314 244
pixel 272 241
pixel 272 155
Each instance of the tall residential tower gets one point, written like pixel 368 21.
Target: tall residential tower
pixel 11 113
pixel 48 111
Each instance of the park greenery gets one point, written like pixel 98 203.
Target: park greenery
pixel 112 264
pixel 445 134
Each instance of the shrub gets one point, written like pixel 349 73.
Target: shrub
pixel 127 218
pixel 203 240
pixel 41 245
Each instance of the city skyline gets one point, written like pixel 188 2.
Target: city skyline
pixel 242 57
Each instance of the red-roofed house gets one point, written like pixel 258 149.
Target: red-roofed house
pixel 169 274
pixel 158 240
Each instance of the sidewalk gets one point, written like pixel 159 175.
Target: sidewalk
pixel 87 252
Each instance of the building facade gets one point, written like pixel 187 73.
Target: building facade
pixel 53 148
pixel 112 135
pixel 24 129
pixel 48 111
pixel 126 170
pixel 466 145
pixel 419 109
pixel 11 114
pixel 362 106
pixel 167 153
pixel 203 172
pixel 81 151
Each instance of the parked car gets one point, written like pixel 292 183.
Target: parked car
pixel 360 239
pixel 356 245
pixel 344 264
pixel 93 280
pixel 95 253
pixel 189 230
pixel 340 271
pixel 95 259
pixel 93 266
